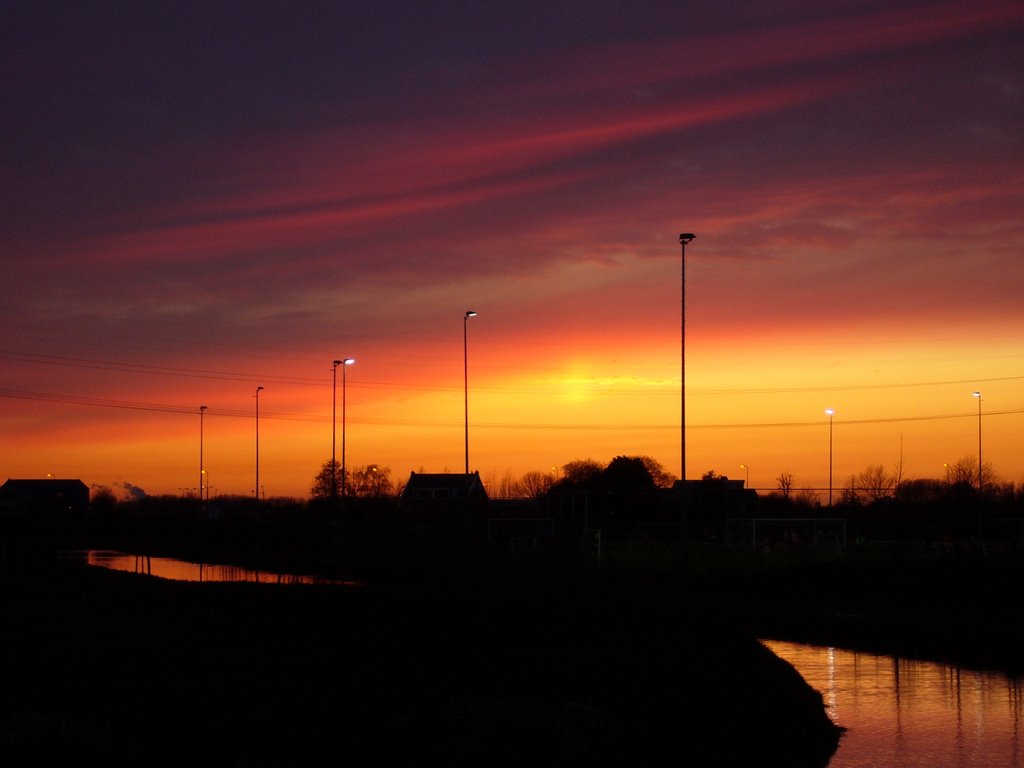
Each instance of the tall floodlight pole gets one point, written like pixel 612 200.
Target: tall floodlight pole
pixel 981 485
pixel 684 239
pixel 202 470
pixel 830 412
pixel 465 376
pixel 258 390
pixel 334 428
pixel 344 365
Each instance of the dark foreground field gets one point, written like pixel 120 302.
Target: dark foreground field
pixel 471 667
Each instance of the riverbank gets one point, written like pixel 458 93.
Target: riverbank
pixel 964 612
pixel 460 667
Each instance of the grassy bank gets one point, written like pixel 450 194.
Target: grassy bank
pixel 965 611
pixel 474 666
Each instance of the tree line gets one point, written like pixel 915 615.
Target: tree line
pixel 375 481
pixel 875 483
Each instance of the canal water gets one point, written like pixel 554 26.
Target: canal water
pixel 901 713
pixel 182 570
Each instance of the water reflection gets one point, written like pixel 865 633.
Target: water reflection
pixel 903 713
pixel 181 570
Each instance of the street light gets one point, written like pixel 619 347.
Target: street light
pixel 465 376
pixel 684 240
pixel 981 485
pixel 344 365
pixel 334 427
pixel 830 412
pixel 746 483
pixel 202 471
pixel 258 390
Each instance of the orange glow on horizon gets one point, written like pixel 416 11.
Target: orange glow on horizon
pixel 747 404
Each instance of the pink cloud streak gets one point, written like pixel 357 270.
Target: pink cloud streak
pixel 247 223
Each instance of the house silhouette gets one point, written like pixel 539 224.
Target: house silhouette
pixel 50 499
pixel 454 503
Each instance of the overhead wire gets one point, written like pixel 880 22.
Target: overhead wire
pixel 597 388
pixel 286 416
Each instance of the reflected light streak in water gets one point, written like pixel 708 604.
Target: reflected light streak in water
pixel 902 713
pixel 181 570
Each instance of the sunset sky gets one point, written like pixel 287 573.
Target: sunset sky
pixel 198 200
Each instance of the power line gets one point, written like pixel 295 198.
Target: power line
pixel 595 388
pixel 160 370
pixel 850 388
pixel 285 416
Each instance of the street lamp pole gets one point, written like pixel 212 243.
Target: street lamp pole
pixel 202 470
pixel 334 428
pixel 830 412
pixel 981 485
pixel 465 376
pixel 746 469
pixel 344 365
pixel 684 239
pixel 258 390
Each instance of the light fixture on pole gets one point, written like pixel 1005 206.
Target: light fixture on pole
pixel 830 412
pixel 258 390
pixel 981 484
pixel 684 239
pixel 344 365
pixel 746 469
pixel 334 428
pixel 465 376
pixel 202 470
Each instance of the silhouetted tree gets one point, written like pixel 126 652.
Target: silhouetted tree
pixel 849 495
pixel 371 482
pixel 875 482
pixel 785 481
pixel 505 488
pixel 327 482
pixel 627 492
pixel 533 485
pixel 580 471
pixel 965 472
pixel 627 473
pixel 102 500
pixel 661 477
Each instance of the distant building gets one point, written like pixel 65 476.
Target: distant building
pixel 48 499
pixel 456 503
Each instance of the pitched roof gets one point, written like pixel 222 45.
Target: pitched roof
pixel 449 485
